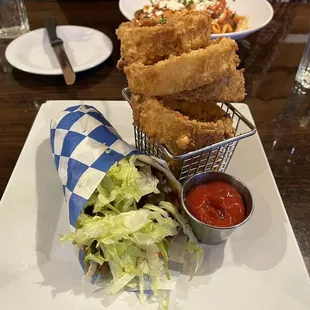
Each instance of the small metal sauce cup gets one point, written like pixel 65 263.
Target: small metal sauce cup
pixel 209 234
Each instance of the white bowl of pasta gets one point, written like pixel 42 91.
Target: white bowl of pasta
pixel 231 18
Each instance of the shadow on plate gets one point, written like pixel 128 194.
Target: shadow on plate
pixel 261 248
pixel 213 260
pixel 49 210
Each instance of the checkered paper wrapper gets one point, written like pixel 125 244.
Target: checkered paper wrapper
pixel 85 145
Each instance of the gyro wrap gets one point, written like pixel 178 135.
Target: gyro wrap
pixel 89 156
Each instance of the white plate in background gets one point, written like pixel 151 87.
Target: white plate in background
pixel 85 47
pixel 260 267
pixel 258 12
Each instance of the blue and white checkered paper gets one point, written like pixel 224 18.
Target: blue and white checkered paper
pixel 84 146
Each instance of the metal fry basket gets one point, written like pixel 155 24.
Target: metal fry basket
pixel 215 157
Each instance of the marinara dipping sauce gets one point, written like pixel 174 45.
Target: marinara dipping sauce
pixel 216 203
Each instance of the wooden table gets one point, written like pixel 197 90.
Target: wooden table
pixel 280 108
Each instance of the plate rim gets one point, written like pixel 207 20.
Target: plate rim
pixel 58 71
pixel 239 34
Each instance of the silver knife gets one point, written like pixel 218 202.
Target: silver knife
pixel 58 46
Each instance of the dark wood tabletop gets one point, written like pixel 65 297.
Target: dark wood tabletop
pixel 281 109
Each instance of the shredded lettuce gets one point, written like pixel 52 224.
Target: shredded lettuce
pixel 125 240
pixel 123 185
pixel 132 240
pixel 97 258
pixel 193 246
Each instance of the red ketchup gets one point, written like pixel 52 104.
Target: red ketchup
pixel 216 203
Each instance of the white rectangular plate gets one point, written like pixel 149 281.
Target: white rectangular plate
pixel 259 267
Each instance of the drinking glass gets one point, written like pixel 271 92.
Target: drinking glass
pixel 303 73
pixel 13 19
